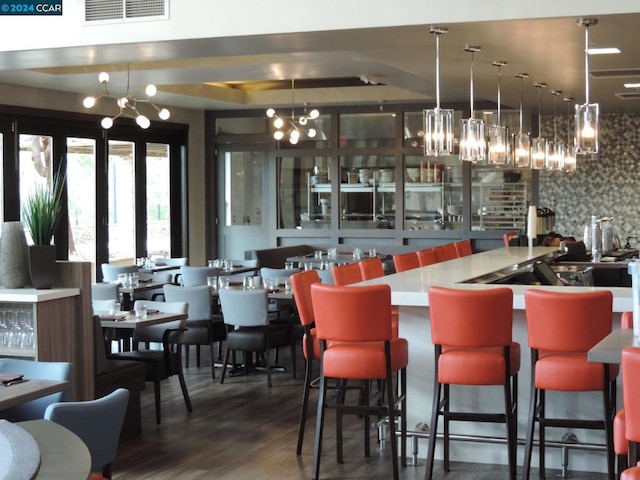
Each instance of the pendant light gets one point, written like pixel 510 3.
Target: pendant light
pixel 438 137
pixel 555 148
pixel 472 143
pixel 570 164
pixel 521 140
pixel 539 145
pixel 587 114
pixel 499 145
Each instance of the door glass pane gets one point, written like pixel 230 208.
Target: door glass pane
pixel 367 129
pixel 1 178
pixel 81 201
pixel 158 211
pixel 122 226
pixel 36 165
pixel 243 188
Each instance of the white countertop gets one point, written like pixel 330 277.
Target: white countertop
pixel 410 288
pixel 31 295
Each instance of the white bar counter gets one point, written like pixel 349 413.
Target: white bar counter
pixel 409 292
pixel 31 295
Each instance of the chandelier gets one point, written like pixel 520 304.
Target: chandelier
pixel 570 164
pixel 521 140
pixel 438 136
pixel 499 146
pixel 555 148
pixel 587 113
pixel 539 145
pixel 293 127
pixel 128 105
pixel 472 143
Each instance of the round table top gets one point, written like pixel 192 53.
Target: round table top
pixel 63 456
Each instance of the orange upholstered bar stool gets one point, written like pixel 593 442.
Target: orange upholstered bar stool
pixel 354 328
pixel 371 268
pixel 631 400
pixel 346 274
pixel 427 257
pixel 561 328
pixel 406 261
pixel 620 443
pixel 463 248
pixel 445 252
pixel 301 287
pixel 472 335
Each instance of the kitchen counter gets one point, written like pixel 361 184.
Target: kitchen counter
pixel 409 292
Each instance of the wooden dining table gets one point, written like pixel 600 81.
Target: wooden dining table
pixel 27 390
pixel 128 292
pixel 129 320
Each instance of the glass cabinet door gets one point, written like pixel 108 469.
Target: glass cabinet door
pixel 367 191
pixel 499 198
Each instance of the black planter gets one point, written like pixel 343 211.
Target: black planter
pixel 42 266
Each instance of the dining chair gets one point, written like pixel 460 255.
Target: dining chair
pixel 471 331
pixel 163 363
pixel 445 252
pixel 102 296
pixel 37 370
pixel 203 327
pixel 247 315
pixel 105 291
pixel 561 329
pixel 98 423
pixel 506 237
pixel 405 261
pixel 620 443
pixel 353 325
pixel 371 268
pixel 110 272
pixel 630 359
pixel 171 261
pixel 156 293
pixel 463 248
pixel 192 276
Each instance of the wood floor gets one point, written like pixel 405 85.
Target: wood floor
pixel 244 430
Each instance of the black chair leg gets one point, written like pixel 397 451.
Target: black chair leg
pixel 156 392
pixel 224 364
pixel 305 404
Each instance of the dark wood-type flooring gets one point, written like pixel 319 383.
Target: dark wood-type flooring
pixel 245 430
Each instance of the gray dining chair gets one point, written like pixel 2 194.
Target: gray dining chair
pixel 98 423
pixel 171 261
pixel 203 328
pixel 110 272
pixel 246 312
pixel 156 293
pixel 35 409
pixel 192 276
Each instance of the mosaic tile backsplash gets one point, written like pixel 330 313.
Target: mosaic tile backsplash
pixel 607 186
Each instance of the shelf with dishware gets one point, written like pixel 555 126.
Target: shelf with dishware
pixel 499 205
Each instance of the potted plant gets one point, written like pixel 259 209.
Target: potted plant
pixel 41 214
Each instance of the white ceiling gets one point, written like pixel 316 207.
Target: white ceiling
pixel 219 73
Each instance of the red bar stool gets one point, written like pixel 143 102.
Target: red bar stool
pixel 472 335
pixel 406 261
pixel 562 327
pixel 463 248
pixel 346 274
pixel 445 252
pixel 620 443
pixel 354 328
pixel 427 257
pixel 371 268
pixel 301 288
pixel 631 396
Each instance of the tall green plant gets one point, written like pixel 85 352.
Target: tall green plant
pixel 42 210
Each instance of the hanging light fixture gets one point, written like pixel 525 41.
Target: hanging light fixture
pixel 570 164
pixel 499 145
pixel 294 127
pixel 128 105
pixel 521 140
pixel 472 143
pixel 587 114
pixel 438 137
pixel 555 148
pixel 539 145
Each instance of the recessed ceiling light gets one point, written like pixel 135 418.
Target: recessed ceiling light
pixel 603 51
pixel 632 85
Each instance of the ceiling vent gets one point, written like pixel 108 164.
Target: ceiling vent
pixel 108 11
pixel 625 72
pixel 628 96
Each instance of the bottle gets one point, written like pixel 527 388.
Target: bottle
pixel 596 239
